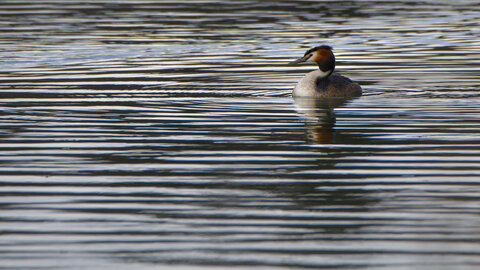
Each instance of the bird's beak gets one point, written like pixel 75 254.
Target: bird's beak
pixel 300 60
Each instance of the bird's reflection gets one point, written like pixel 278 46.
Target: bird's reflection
pixel 319 117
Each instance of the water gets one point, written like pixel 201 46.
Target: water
pixel 160 135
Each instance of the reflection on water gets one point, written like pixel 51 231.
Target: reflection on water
pixel 157 134
pixel 319 117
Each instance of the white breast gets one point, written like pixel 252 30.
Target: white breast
pixel 307 86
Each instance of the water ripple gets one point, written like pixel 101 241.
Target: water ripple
pixel 147 134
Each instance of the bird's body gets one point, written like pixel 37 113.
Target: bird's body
pixel 313 85
pixel 322 82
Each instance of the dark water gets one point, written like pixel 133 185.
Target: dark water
pixel 161 135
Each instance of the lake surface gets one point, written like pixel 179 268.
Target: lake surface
pixel 163 135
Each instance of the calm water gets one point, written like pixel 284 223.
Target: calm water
pixel 162 135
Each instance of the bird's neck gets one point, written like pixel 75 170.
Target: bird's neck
pixel 321 74
pixel 326 67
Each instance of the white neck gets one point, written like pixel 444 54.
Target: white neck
pixel 323 74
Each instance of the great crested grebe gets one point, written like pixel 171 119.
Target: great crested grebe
pixel 322 82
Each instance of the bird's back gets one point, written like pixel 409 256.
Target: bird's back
pixel 339 86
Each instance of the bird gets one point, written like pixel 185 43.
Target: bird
pixel 323 83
